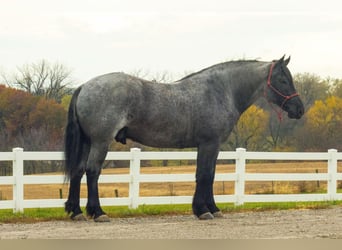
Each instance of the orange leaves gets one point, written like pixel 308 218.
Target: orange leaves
pixel 15 107
pixel 47 114
pixel 22 114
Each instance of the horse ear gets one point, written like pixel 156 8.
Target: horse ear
pixel 280 61
pixel 287 60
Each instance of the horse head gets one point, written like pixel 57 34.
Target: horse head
pixel 281 91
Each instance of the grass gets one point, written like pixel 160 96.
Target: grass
pixel 46 214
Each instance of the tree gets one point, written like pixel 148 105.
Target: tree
pixel 15 107
pixel 29 121
pixel 65 102
pixel 250 130
pixel 310 88
pixel 51 81
pixel 322 127
pixel 335 86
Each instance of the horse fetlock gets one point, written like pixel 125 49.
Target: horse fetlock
pixel 200 210
pixel 97 214
pixel 73 208
pixel 204 213
pixel 94 211
pixel 68 207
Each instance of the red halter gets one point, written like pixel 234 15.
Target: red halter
pixel 286 97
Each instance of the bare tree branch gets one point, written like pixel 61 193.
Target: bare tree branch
pixel 52 81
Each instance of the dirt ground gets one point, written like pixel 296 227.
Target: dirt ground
pixel 286 224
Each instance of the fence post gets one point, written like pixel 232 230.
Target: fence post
pixel 18 174
pixel 332 171
pixel 240 169
pixel 134 182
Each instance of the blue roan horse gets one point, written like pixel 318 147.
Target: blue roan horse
pixel 199 110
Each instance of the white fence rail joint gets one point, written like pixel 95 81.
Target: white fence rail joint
pixel 18 156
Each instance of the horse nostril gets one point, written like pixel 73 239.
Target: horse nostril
pixel 301 111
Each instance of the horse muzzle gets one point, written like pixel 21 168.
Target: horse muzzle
pixel 294 108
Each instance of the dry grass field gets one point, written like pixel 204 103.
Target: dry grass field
pixel 187 188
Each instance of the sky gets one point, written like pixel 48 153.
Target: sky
pixel 93 37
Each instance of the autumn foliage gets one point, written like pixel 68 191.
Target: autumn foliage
pixel 28 121
pixel 250 130
pixel 322 127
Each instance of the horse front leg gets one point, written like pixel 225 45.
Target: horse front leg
pixel 203 204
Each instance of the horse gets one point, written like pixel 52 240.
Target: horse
pixel 197 111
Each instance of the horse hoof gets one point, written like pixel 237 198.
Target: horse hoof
pixel 79 217
pixel 102 218
pixel 218 214
pixel 206 216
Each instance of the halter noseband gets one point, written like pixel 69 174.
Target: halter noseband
pixel 286 97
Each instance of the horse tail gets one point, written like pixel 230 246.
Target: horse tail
pixel 74 139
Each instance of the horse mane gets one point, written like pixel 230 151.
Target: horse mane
pixel 219 65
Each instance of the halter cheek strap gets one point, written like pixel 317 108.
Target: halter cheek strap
pixel 286 97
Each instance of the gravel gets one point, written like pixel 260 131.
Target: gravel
pixel 283 224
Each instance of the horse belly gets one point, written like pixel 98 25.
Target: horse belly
pixel 164 137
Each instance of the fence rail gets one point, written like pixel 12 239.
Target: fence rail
pixel 18 156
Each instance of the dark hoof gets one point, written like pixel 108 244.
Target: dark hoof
pixel 78 217
pixel 206 216
pixel 218 214
pixel 102 218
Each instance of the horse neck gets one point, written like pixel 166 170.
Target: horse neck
pixel 248 83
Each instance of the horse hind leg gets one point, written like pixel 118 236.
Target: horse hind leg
pixel 72 205
pixel 97 155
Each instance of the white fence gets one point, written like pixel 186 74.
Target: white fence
pixel 134 178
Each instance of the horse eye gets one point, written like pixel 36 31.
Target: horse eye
pixel 283 81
